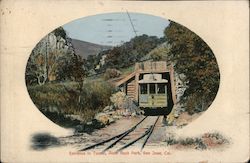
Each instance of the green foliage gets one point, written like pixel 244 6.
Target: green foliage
pixel 91 62
pixel 56 100
pixel 51 95
pixel 50 62
pixel 124 55
pixel 95 95
pixel 160 53
pixel 194 59
pixel 127 70
pixel 60 32
pixel 171 140
pixel 130 52
pixel 197 142
pixel 71 69
pixel 202 142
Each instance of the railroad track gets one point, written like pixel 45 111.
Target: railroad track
pixel 118 138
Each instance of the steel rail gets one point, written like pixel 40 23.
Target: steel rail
pixel 148 132
pixel 120 136
pixel 137 139
pixel 124 135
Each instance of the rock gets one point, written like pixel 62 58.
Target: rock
pixel 119 112
pixel 89 123
pixel 74 117
pixel 111 120
pixel 108 109
pixel 102 117
pixel 97 124
pixel 126 106
pixel 89 126
pixel 111 108
pixel 133 114
pixel 111 113
pixel 117 116
pixel 53 109
pixel 106 118
pixel 98 115
pixel 79 129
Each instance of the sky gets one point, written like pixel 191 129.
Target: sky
pixel 115 28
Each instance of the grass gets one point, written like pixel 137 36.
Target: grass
pixel 127 70
pixel 101 77
pixel 56 100
pixel 205 141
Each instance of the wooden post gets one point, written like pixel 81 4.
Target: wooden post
pixel 124 88
pixel 172 84
pixel 136 85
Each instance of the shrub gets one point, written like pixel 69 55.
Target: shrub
pixel 121 101
pixel 56 100
pixel 111 73
pixel 95 95
pixel 171 140
pixel 203 142
pixel 51 95
pixel 118 99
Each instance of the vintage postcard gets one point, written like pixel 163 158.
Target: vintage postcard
pixel 124 81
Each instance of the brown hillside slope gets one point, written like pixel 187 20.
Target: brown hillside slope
pixel 84 48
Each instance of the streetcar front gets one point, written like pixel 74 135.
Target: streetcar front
pixel 153 93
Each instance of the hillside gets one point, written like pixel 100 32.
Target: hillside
pixel 85 49
pixel 130 52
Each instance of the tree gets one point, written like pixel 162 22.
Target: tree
pixel 193 58
pixel 37 66
pixel 132 51
pixel 160 53
pixel 54 59
pixel 60 32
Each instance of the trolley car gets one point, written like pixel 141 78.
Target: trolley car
pixel 155 95
pixel 151 87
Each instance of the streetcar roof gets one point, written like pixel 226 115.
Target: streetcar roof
pixel 153 78
pixel 145 81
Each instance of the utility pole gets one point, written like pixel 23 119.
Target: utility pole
pixel 131 23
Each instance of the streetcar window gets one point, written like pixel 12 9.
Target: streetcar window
pixel 161 88
pixel 152 88
pixel 144 89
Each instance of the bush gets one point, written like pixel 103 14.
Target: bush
pixel 56 100
pixel 95 95
pixel 196 104
pixel 203 142
pixel 118 99
pixel 171 140
pixel 121 101
pixel 111 73
pixel 51 95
